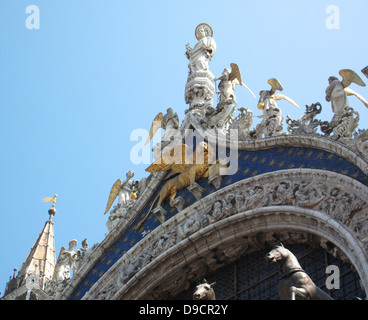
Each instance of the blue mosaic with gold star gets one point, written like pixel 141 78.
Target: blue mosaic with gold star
pixel 251 163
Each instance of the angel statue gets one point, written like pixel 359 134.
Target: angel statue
pixel 343 122
pixel 67 260
pixel 228 80
pixel 170 123
pixel 272 120
pixel 125 191
pixel 337 91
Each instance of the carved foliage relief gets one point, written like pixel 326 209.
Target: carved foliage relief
pixel 341 198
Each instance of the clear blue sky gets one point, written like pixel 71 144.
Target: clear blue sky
pixel 73 91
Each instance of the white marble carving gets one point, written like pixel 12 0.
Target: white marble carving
pixel 200 87
pixel 310 189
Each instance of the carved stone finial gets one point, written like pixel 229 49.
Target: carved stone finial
pixel 52 212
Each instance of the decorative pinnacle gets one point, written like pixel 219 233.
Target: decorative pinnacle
pixel 52 210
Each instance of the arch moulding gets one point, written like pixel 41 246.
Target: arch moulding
pixel 226 240
pixel 237 219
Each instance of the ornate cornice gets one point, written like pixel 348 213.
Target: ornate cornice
pixel 355 155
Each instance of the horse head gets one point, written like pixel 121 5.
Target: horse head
pixel 278 254
pixel 204 291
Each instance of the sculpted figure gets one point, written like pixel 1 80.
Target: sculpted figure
pixel 228 80
pixel 295 284
pixel 217 211
pixel 125 191
pixel 189 171
pixel 242 123
pixel 272 120
pixel 67 260
pixel 200 86
pixel 343 122
pixel 253 196
pixel 221 117
pixel 169 122
pixel 268 98
pixel 203 50
pixel 359 225
pixel 306 124
pixel 191 225
pixel 308 194
pixel 127 188
pixel 204 291
pixel 337 91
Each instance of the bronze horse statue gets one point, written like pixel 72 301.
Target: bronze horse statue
pixel 295 284
pixel 204 291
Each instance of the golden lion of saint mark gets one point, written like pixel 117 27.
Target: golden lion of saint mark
pixel 191 166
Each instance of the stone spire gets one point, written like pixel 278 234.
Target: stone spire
pixel 38 268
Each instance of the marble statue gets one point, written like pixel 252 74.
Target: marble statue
pixel 221 117
pixel 337 90
pixel 228 80
pixel 170 123
pixel 126 196
pixel 345 119
pixel 336 95
pixel 200 86
pixel 226 87
pixel 125 191
pixel 272 121
pixel 67 260
pixel 203 50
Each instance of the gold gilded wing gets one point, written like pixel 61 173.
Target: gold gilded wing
pixel 177 159
pixel 115 190
pixel 235 73
pixel 235 76
pixel 50 199
pixel 61 251
pixel 350 76
pixel 280 96
pixel 275 84
pixel 156 124
pixel 350 92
